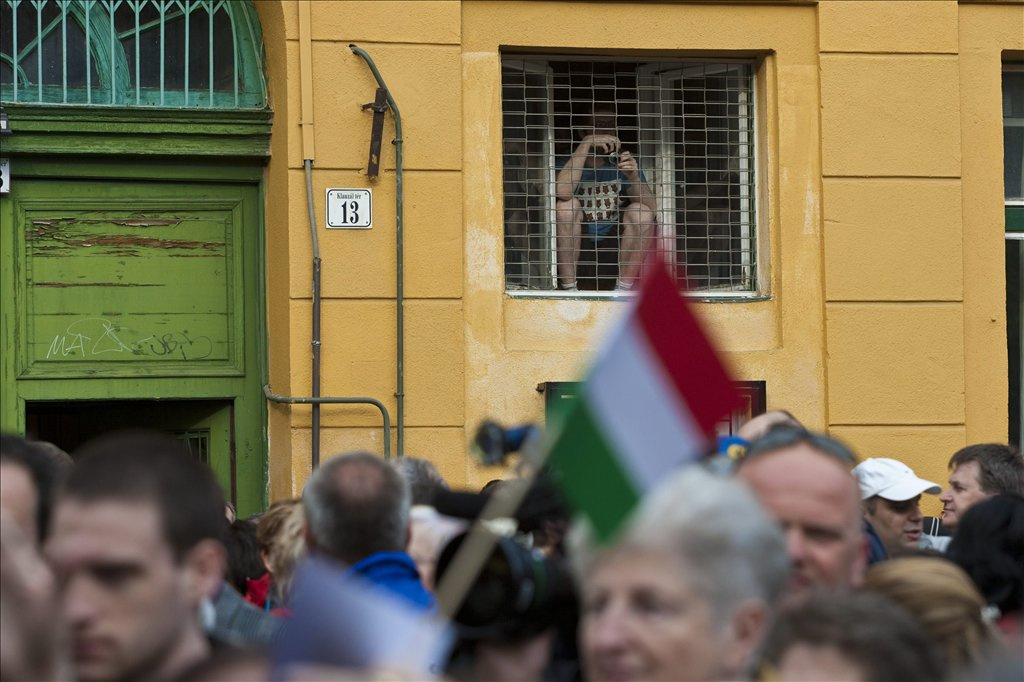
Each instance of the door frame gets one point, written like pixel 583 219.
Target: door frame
pixel 250 409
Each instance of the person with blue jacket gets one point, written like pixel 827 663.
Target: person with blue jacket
pixel 357 513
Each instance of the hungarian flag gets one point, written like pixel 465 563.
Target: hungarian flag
pixel 648 406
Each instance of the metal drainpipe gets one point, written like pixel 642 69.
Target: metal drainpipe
pixel 399 254
pixel 315 401
pixel 315 379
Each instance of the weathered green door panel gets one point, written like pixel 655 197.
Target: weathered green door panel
pixel 143 293
pixel 150 285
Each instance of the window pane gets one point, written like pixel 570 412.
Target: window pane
pixel 1013 162
pixel 577 214
pixel 1013 134
pixel 149 52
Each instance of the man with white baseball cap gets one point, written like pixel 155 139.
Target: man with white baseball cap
pixel 890 495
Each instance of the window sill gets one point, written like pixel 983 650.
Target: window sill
pixel 701 297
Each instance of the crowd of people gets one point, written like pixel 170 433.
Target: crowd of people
pixel 788 557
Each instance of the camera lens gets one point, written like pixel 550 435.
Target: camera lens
pixel 613 157
pixel 517 593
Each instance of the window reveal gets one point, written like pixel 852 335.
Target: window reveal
pixel 689 127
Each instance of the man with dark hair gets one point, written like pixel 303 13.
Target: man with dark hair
pixel 135 544
pixel 28 478
pixel 804 480
pixel 979 472
pixel 357 512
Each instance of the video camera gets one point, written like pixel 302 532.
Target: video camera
pixel 519 592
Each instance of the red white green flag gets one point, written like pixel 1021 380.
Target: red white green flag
pixel 648 406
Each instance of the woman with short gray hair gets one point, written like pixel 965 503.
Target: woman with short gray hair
pixel 687 590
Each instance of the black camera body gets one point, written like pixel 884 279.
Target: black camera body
pixel 518 593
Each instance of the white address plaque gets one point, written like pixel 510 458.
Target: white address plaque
pixel 350 208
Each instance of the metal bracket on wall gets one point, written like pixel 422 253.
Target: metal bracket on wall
pixel 327 400
pixel 379 106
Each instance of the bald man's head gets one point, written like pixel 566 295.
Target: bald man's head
pixel 356 505
pixel 808 487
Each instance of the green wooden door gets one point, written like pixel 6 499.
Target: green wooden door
pixel 125 293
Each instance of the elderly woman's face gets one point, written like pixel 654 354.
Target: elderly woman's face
pixel 642 620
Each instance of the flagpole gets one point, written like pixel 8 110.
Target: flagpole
pixel 461 573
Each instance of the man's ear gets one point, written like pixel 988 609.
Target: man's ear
pixel 307 535
pixel 748 624
pixel 205 566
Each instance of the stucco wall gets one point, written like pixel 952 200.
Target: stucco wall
pixel 880 136
pixel 912 205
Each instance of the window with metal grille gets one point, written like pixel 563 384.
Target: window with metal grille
pixel 162 53
pixel 600 155
pixel 196 442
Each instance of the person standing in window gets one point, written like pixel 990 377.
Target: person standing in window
pixel 602 196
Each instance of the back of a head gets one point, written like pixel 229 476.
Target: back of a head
pixel 154 468
pixel 868 632
pixel 730 546
pixel 943 599
pixel 782 437
pixel 989 546
pixel 423 478
pixel 60 461
pixel 1001 467
pixel 243 554
pixel 356 505
pixel 279 535
pixel 758 426
pixel 41 470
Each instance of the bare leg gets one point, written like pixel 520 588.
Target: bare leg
pixel 638 223
pixel 569 216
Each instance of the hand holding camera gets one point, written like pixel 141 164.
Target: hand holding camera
pixel 603 144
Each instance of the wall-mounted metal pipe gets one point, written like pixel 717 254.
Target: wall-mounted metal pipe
pixel 306 87
pixel 315 341
pixel 316 401
pixel 399 253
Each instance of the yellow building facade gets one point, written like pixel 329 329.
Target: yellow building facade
pixel 878 311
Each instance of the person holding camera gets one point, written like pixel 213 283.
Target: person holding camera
pixel 601 196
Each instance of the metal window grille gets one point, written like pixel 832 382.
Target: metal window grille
pixel 690 127
pixel 161 53
pixel 196 442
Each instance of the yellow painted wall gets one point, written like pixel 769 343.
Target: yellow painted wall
pixel 912 206
pixel 880 134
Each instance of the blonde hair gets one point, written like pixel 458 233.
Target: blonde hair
pixel 943 598
pixel 279 535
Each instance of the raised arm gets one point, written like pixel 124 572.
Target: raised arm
pixel 569 176
pixel 637 190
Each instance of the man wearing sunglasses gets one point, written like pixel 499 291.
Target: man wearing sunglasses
pixel 890 496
